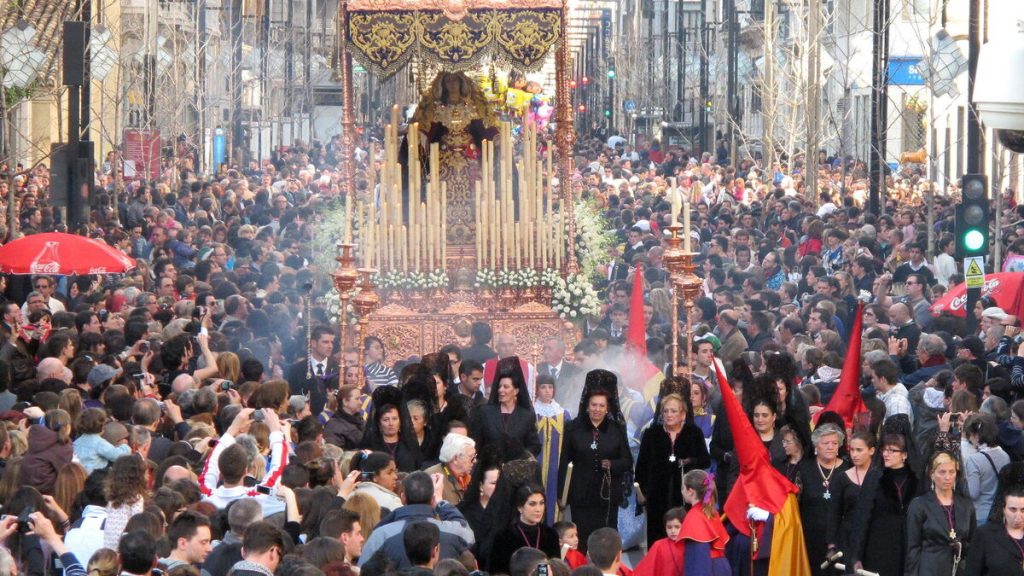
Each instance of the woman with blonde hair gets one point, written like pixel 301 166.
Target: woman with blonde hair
pixel 229 367
pixel 367 508
pixel 940 523
pixel 104 563
pixel 71 402
pixel 70 483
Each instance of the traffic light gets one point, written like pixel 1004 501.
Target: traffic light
pixel 572 84
pixel 607 113
pixel 586 80
pixel 708 107
pixel 972 216
pixel 611 74
pixel 582 108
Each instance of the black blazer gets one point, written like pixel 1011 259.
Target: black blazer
pixel 993 553
pixel 487 427
pixel 315 386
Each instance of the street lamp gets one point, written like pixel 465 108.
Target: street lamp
pixel 20 62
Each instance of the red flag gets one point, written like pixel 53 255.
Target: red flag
pixel 847 401
pixel 759 483
pixel 636 334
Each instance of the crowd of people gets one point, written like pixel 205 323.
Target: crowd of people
pixel 196 415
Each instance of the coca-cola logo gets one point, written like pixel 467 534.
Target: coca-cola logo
pixel 958 302
pixel 47 268
pixel 97 270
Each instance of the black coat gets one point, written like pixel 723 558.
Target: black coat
pixel 315 386
pixel 928 542
pixel 344 430
pixel 407 457
pixel 660 478
pixel 506 542
pixel 819 507
pixel 878 537
pixel 587 486
pixel 489 427
pixel 994 553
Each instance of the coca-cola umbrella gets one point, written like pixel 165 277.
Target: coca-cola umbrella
pixel 1004 287
pixel 64 254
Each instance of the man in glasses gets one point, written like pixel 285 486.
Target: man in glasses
pixel 46 287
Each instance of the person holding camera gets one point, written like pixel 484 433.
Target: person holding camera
pixel 234 464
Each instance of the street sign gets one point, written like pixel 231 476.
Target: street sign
pixel 629 105
pixel 974 270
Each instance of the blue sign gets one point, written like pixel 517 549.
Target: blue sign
pixel 219 148
pixel 629 105
pixel 903 71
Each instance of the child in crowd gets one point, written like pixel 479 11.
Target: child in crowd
pixel 665 556
pixel 569 540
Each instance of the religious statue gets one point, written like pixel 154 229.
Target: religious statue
pixel 455 114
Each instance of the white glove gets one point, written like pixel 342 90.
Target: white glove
pixel 757 514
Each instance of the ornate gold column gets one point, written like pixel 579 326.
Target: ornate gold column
pixel 348 122
pixel 565 136
pixel 365 302
pixel 344 280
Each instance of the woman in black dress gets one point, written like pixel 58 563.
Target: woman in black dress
pixel 763 414
pixel 667 451
pixel 795 454
pixel 940 523
pixel 848 488
pixel 878 535
pixel 527 530
pixel 595 444
pixel 509 412
pixel 818 477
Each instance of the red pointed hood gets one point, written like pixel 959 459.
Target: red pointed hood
pixel 847 401
pixel 759 483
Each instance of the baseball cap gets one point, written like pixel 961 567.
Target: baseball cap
pixel 995 313
pixel 100 374
pixel 974 344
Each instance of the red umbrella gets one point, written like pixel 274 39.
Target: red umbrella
pixel 58 253
pixel 1004 287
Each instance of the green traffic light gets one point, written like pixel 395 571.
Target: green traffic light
pixel 974 240
pixel 611 73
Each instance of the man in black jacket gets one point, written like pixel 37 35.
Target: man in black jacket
pixel 262 549
pixel 241 514
pixel 320 366
pixel 345 428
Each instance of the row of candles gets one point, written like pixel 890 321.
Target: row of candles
pixel 510 232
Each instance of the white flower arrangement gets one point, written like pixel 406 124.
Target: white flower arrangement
pixel 575 298
pixel 486 278
pixel 391 280
pixel 507 279
pixel 438 279
pixel 593 237
pixel 550 278
pixel 417 281
pixel 527 278
pixel 332 305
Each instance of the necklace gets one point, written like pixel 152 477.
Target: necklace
pixel 826 479
pixel 527 540
pixel 951 519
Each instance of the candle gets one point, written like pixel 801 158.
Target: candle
pixel 349 198
pixel 686 225
pixel 444 225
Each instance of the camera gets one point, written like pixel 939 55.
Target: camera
pixel 144 347
pixel 25 520
pixel 257 416
pixel 199 311
pixel 226 385
pixel 366 476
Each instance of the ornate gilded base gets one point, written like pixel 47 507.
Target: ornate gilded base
pixel 407 331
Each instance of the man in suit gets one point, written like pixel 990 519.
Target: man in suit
pixel 554 365
pixel 320 366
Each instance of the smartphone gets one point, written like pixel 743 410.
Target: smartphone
pixel 954 419
pixel 144 346
pixel 263 489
